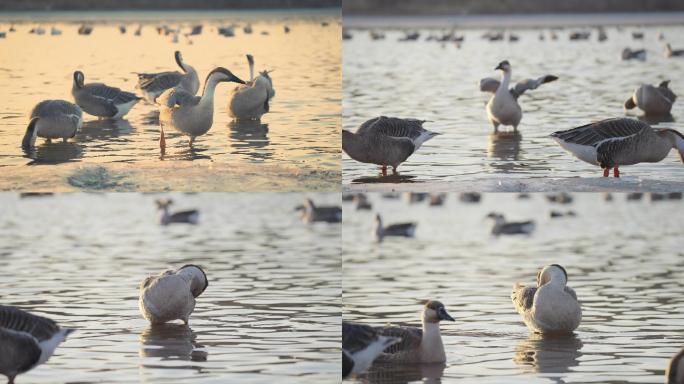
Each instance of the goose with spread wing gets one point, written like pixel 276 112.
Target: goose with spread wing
pixel 101 100
pixel 620 141
pixel 385 141
pixel 154 84
pixel 503 107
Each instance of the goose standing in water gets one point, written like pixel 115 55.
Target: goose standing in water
pixel 669 52
pixel 154 84
pixel 397 230
pixel 503 107
pixel 171 295
pixel 418 345
pixel 311 213
pixel 26 340
pixel 52 119
pixel 551 306
pixel 189 114
pixel 620 141
pixel 629 54
pixel 675 371
pixel 654 101
pixel 189 217
pixel 250 101
pixel 501 227
pixel 361 345
pixel 385 141
pixel 101 100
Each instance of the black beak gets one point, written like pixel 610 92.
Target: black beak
pixel 443 315
pixel 498 67
pixel 236 79
pixel 27 141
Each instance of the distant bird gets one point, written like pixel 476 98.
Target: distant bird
pixel 52 119
pixel 550 307
pixel 503 107
pixel 675 371
pixel 247 28
pixel 166 218
pixel 55 32
pixel 629 54
pixel 227 31
pixel 557 214
pixel 154 84
pixel 437 200
pixel 100 100
pixel 346 35
pixel 634 196
pixel 138 31
pixel 377 35
pixel 560 198
pixel 396 230
pixel 654 101
pixel 122 28
pixel 196 30
pixel 250 101
pixel 513 37
pixel 502 227
pixel 637 35
pixel 361 202
pixel 620 141
pixel 286 29
pixel 85 29
pixel 311 213
pixel 385 141
pixel 418 345
pixel 470 197
pixel 26 340
pixel 574 36
pixel 361 345
pixel 602 36
pixel 37 31
pixel 410 36
pixel 3 35
pixel 669 52
pixel 189 114
pixel 171 295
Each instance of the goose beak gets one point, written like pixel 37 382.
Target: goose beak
pixel 499 67
pixel 443 315
pixel 236 79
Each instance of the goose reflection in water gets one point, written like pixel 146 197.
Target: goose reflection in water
pixel 247 136
pixel 54 153
pixel 103 130
pixel 504 147
pixel 548 354
pixel 404 373
pixel 171 341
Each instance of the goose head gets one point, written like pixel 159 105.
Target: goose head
pixel 79 79
pixel 29 140
pixel 554 274
pixel 378 220
pixel 497 217
pixel 163 203
pixel 197 276
pixel 220 74
pixel 504 66
pixel 434 312
pixel 675 371
pixel 179 60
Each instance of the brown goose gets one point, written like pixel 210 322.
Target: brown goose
pixel 361 345
pixel 188 217
pixel 312 213
pixel 385 141
pixel 620 141
pixel 397 230
pixel 171 295
pixel 675 371
pixel 654 101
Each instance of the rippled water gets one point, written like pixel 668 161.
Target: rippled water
pixel 624 260
pixel 271 311
pixel 301 130
pixel 436 82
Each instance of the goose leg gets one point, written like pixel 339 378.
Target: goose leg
pixel 162 139
pixel 616 172
pixel 394 170
pixel 384 170
pixel 49 141
pixel 605 172
pixel 192 140
pixel 64 140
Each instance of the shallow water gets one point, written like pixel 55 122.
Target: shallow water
pixel 624 260
pixel 302 128
pixel 271 311
pixel 431 81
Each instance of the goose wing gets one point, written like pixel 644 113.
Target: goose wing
pixel 523 297
pixel 174 96
pixel 14 319
pixel 393 127
pixel 156 82
pixel 489 84
pixel 571 292
pixel 109 94
pixel 666 92
pixel 356 337
pixel 595 133
pixel 410 338
pixel 527 84
pixel 18 351
pixel 48 108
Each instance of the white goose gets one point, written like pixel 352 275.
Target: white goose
pixel 654 101
pixel 154 84
pixel 503 107
pixel 52 119
pixel 26 341
pixel 189 114
pixel 620 141
pixel 361 345
pixel 171 295
pixel 250 101
pixel 551 306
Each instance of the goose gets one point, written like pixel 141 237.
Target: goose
pixel 361 344
pixel 361 202
pixel 502 227
pixel 654 101
pixel 675 371
pixel 122 28
pixel 85 29
pixel 52 119
pixel 250 101
pixel 101 100
pixel 503 107
pixel 247 28
pixel 189 217
pixel 286 29
pixel 138 31
pixel 191 115
pixel 396 230
pixel 629 54
pixel 154 84
pixel 669 52
pixel 620 141
pixel 312 213
pixel 418 345
pixel 385 141
pixel 551 306
pixel 26 340
pixel 55 32
pixel 171 295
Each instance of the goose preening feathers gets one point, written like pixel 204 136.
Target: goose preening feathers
pixel 312 213
pixel 620 141
pixel 398 230
pixel 361 345
pixel 189 114
pixel 52 119
pixel 503 107
pixel 551 306
pixel 26 340
pixel 188 217
pixel 154 84
pixel 251 100
pixel 100 100
pixel 675 371
pixel 171 295
pixel 503 227
pixel 385 141
pixel 654 101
